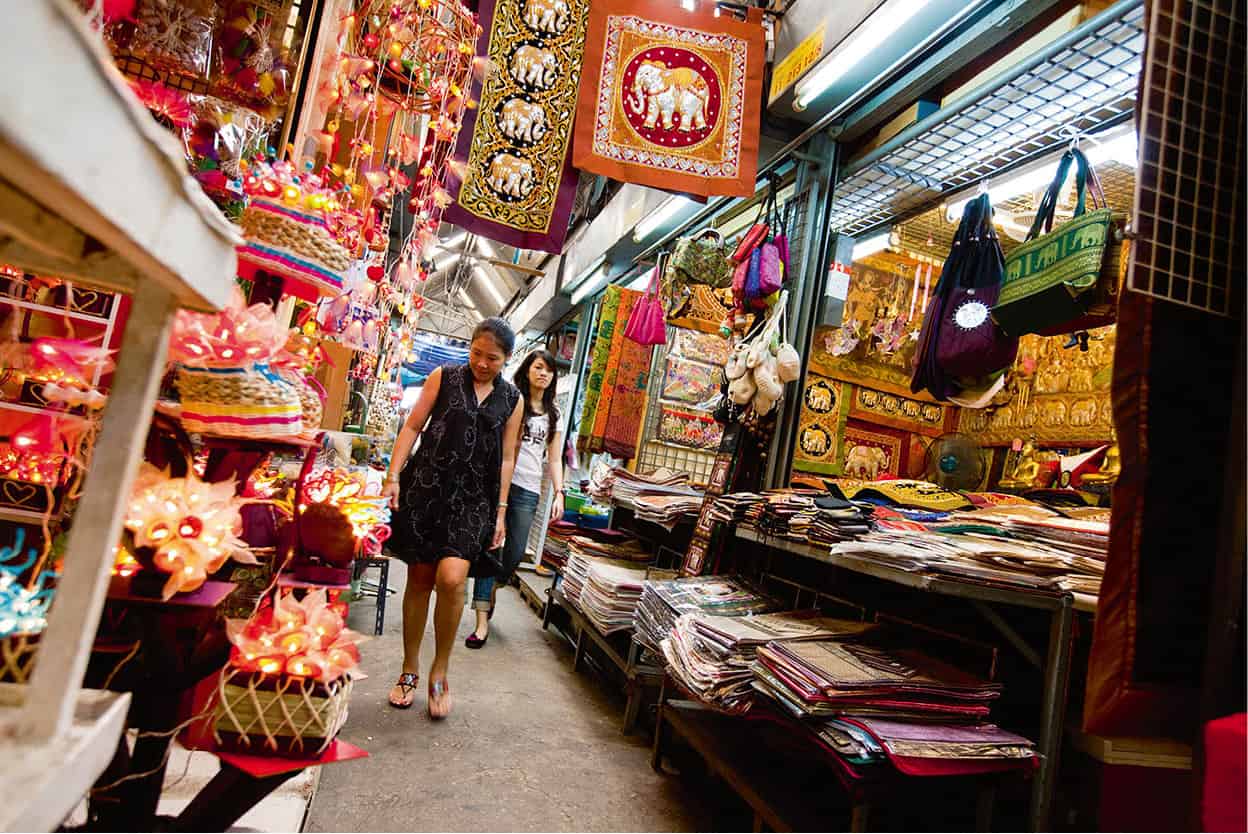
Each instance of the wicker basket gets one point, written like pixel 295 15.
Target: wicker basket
pixel 279 715
pixel 17 657
pixel 296 244
pixel 239 402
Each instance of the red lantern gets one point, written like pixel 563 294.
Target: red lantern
pixel 376 272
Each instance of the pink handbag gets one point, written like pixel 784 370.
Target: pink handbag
pixel 647 324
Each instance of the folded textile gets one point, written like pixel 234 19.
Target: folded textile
pixel 662 601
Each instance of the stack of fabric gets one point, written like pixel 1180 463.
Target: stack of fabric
pixel 662 601
pixel 924 748
pixel 627 486
pixel 868 679
pixel 555 548
pixel 731 509
pixel 711 655
pixel 1002 556
pixel 609 596
pixel 667 510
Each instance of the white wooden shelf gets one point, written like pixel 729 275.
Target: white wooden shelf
pixel 44 783
pixel 58 312
pixel 91 189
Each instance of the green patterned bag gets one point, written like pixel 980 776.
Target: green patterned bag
pixel 1065 279
pixel 700 260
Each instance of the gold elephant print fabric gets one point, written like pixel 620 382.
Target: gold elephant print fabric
pixel 519 184
pixel 671 97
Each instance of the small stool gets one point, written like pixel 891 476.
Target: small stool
pixel 381 587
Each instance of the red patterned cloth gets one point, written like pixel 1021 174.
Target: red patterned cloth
pixel 671 98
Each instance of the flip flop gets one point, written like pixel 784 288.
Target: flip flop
pixel 439 689
pixel 407 684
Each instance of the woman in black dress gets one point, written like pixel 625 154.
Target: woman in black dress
pixel 451 500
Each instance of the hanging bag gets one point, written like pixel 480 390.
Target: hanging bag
pixel 647 324
pixel 700 259
pixel 971 345
pixel 1065 279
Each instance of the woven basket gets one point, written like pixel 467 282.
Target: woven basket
pixel 17 657
pixel 310 401
pixel 295 244
pixel 239 402
pixel 277 715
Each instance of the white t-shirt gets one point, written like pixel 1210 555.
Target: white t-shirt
pixel 532 457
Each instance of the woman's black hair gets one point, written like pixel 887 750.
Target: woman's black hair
pixel 500 331
pixel 548 396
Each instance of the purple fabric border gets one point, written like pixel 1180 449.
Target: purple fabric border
pixel 455 213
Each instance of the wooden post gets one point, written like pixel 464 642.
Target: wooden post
pixel 80 593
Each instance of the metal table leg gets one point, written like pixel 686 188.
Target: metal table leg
pixel 579 654
pixel 1053 713
pixel 383 591
pixel 656 751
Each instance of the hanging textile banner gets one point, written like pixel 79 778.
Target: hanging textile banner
pixel 519 185
pixel 671 98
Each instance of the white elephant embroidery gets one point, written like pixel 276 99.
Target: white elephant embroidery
pixel 550 16
pixel 670 95
pixel 534 66
pixel 522 120
pixel 510 175
pixel 865 462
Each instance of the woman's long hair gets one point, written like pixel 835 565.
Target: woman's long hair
pixel 548 396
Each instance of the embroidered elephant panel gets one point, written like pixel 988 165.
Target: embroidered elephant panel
pixel 519 175
pixel 671 98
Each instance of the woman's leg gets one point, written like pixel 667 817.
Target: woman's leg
pixel 521 509
pixel 420 582
pixel 452 575
pixel 482 602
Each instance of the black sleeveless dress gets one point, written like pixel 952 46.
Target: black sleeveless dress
pixel 448 490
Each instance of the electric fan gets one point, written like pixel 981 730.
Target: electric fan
pixel 955 461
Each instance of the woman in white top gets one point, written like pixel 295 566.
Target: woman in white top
pixel 537 456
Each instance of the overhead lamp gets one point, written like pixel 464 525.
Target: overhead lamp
pixel 879 26
pixel 1120 147
pixel 870 246
pixel 454 242
pixel 587 272
pixel 489 285
pixel 486 247
pixel 596 282
pixel 664 213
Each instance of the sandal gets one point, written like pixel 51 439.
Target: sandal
pixel 406 685
pixel 472 641
pixel 440 690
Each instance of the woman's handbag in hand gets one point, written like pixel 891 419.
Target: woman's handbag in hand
pixel 1065 279
pixel 647 324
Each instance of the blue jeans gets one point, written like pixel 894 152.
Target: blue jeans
pixel 521 508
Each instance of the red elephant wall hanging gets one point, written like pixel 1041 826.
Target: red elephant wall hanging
pixel 671 98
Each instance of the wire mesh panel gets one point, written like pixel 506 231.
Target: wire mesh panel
pixel 655 453
pixel 1085 83
pixel 1189 206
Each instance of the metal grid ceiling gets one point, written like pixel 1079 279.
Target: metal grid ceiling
pixel 656 454
pixel 1086 84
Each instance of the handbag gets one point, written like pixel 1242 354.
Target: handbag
pixel 700 259
pixel 753 277
pixel 647 324
pixel 960 344
pixel 1065 279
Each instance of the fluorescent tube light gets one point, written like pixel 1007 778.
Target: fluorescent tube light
pixel 489 285
pixel 467 299
pixel 870 246
pixel 454 242
pixel 486 247
pixel 592 285
pixel 663 214
pixel 587 272
pixel 1116 147
pixel 879 26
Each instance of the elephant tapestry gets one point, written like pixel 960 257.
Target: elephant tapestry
pixel 671 97
pixel 519 183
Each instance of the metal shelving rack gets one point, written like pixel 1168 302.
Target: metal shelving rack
pixel 1083 82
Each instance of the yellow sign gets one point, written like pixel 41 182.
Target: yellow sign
pixel 802 58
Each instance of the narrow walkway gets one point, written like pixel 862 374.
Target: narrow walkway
pixel 530 745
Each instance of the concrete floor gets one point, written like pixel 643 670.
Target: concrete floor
pixel 530 746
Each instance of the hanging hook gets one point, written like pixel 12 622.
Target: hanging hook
pixel 1073 132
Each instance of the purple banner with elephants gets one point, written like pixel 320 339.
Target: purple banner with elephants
pixel 519 184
